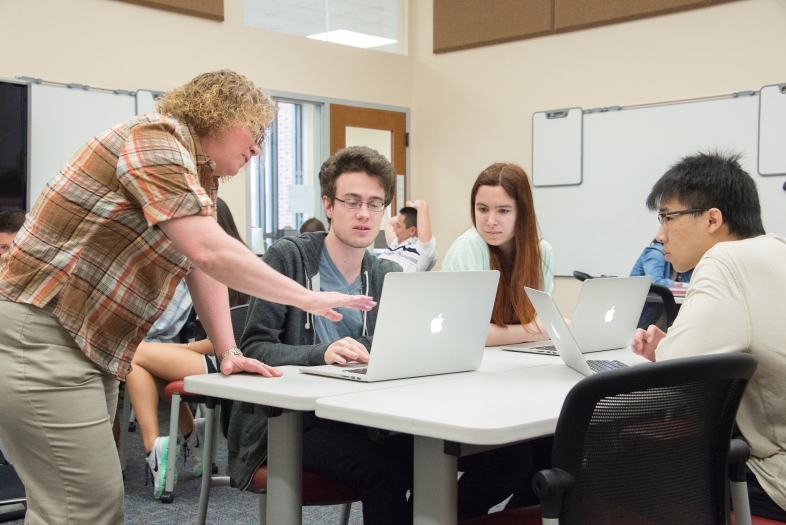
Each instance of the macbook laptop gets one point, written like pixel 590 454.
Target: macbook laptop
pixel 605 318
pixel 562 337
pixel 428 323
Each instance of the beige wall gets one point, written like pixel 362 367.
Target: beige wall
pixel 110 44
pixel 471 108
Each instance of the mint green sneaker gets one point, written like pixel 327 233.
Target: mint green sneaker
pixel 158 463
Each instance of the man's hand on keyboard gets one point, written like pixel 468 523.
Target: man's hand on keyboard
pixel 345 350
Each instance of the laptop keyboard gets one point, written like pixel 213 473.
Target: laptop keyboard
pixel 357 371
pixel 601 366
pixel 548 349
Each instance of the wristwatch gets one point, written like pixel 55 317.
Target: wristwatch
pixel 232 351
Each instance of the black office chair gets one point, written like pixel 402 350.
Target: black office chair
pixel 660 308
pixel 581 276
pixel 648 444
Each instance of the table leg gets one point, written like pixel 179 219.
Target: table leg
pixel 285 469
pixel 435 485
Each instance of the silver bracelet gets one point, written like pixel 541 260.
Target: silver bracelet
pixel 232 351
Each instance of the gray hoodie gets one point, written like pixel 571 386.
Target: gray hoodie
pixel 284 335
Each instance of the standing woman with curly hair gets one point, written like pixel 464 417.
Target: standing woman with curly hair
pixel 98 260
pixel 505 237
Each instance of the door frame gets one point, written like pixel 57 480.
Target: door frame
pixel 324 139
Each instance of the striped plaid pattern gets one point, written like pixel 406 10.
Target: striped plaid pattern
pixel 90 242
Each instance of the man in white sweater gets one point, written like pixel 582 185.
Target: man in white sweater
pixel 710 219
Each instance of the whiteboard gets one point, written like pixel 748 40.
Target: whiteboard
pixel 772 130
pixel 556 147
pixel 62 120
pixel 602 225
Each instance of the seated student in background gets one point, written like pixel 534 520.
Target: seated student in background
pixel 312 225
pixel 158 362
pixel 710 220
pixel 357 183
pixel 652 262
pixel 505 237
pixel 10 223
pixel 409 238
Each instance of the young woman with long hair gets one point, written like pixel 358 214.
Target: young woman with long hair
pixel 156 363
pixel 505 237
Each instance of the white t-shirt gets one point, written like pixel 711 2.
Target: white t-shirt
pixel 412 255
pixel 736 302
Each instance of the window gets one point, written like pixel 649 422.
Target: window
pixel 284 177
pixel 370 24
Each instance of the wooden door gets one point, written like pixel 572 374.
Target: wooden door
pixel 345 120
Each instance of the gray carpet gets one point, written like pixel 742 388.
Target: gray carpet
pixel 227 505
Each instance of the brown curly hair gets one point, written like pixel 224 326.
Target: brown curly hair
pixel 357 159
pixel 213 103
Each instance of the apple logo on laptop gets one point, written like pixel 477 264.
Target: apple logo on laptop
pixel 610 314
pixel 436 324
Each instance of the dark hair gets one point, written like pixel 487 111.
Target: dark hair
pixel 511 304
pixel 410 216
pixel 713 180
pixel 357 159
pixel 227 223
pixel 312 225
pixel 11 221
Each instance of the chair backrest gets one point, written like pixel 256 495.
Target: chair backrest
pixel 669 304
pixel 581 276
pixel 649 444
pixel 238 315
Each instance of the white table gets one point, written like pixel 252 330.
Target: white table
pixel 296 393
pixel 496 408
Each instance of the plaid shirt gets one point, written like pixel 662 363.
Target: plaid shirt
pixel 90 242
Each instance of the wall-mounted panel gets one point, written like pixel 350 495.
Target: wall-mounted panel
pixel 212 9
pixel 13 145
pixel 578 14
pixel 463 24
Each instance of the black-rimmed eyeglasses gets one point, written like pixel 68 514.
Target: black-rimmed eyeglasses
pixel 354 204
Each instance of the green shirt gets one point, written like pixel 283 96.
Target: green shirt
pixel 471 253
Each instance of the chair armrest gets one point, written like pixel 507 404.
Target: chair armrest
pixel 550 486
pixel 739 452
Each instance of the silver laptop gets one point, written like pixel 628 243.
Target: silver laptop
pixel 428 323
pixel 562 337
pixel 605 318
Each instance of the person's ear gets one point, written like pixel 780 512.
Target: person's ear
pixel 327 206
pixel 714 220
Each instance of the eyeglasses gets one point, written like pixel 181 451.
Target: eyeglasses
pixel 665 217
pixel 354 204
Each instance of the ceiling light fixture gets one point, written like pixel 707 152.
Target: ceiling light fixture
pixel 352 38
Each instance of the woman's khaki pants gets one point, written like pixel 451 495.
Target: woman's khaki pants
pixel 56 411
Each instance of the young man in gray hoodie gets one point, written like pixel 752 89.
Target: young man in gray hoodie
pixel 357 184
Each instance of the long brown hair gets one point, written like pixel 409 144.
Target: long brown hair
pixel 511 305
pixel 227 223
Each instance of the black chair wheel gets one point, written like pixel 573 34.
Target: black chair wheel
pixel 214 470
pixel 132 427
pixel 167 497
